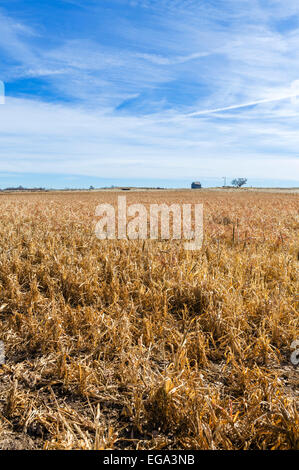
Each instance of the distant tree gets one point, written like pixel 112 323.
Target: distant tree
pixel 91 187
pixel 238 182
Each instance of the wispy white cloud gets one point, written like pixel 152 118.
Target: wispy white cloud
pixel 39 137
pixel 13 32
pixel 160 60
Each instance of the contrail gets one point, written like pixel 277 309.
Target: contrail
pixel 243 105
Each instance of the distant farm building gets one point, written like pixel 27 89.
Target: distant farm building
pixel 196 185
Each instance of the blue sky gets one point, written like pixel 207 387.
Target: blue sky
pixel 157 89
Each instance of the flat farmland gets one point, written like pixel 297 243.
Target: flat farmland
pixel 141 344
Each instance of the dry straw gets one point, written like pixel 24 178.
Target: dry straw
pixel 143 345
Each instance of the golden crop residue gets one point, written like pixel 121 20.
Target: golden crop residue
pixel 141 344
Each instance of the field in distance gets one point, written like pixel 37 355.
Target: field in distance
pixel 120 344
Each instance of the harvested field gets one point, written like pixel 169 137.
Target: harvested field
pixel 121 344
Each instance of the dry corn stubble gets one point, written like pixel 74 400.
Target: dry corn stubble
pixel 141 344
